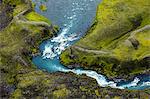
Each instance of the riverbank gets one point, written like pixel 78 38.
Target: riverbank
pixel 117 44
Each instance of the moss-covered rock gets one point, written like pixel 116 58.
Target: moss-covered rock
pixel 61 93
pixel 43 7
pixel 118 42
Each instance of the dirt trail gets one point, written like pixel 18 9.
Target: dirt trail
pixel 91 51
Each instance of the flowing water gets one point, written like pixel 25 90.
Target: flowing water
pixel 74 17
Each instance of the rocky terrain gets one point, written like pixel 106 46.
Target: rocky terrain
pixel 118 42
pixel 21 32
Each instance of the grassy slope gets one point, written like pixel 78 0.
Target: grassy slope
pixel 33 16
pixel 112 32
pixel 22 80
pixel 115 18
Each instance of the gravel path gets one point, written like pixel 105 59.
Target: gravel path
pixel 91 51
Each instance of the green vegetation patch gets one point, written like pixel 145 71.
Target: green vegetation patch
pixel 33 16
pixel 43 7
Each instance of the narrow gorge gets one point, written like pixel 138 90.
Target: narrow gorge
pixel 74 49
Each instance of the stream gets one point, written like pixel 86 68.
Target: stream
pixel 74 17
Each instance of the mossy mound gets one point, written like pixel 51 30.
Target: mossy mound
pixel 43 7
pixel 121 33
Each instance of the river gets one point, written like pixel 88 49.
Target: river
pixel 74 17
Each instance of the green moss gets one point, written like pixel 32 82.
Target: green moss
pixel 21 31
pixel 32 78
pixel 66 58
pixel 19 8
pixel 33 5
pixel 13 2
pixel 114 19
pixel 97 92
pixel 83 88
pixel 18 41
pixel 43 7
pixel 117 97
pixel 18 5
pixel 108 69
pixel 16 94
pixel 11 79
pixel 61 93
pixel 33 16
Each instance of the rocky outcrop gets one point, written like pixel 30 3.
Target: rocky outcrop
pixel 5 15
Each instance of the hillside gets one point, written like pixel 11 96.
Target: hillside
pixel 118 42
